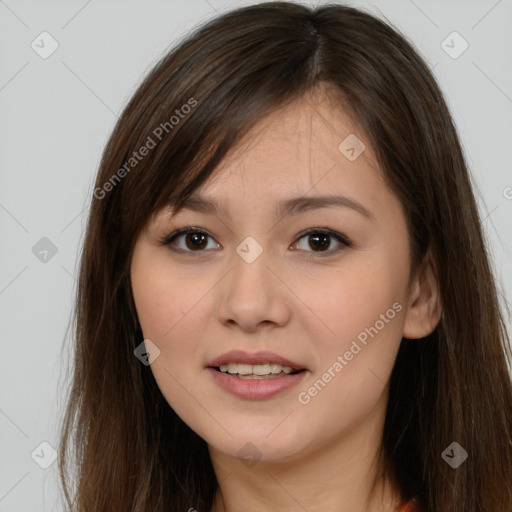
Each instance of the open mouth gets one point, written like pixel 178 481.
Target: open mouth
pixel 259 376
pixel 256 371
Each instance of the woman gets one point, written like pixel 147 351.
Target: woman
pixel 338 343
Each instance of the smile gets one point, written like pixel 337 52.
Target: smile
pixel 256 371
pixel 255 376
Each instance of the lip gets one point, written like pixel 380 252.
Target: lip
pixel 262 357
pixel 255 389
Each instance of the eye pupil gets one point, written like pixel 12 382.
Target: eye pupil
pixel 320 236
pixel 199 240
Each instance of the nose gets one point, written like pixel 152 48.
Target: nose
pixel 253 294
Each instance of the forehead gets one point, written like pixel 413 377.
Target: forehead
pixel 311 144
pixel 310 124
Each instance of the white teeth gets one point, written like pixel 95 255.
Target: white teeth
pixel 261 369
pixel 254 369
pixel 244 369
pixel 275 368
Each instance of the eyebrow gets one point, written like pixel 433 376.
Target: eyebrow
pixel 293 206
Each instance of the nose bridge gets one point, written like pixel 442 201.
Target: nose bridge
pixel 252 294
pixel 251 261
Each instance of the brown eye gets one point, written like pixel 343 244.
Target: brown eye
pixel 195 240
pixel 320 241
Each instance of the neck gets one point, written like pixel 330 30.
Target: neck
pixel 343 475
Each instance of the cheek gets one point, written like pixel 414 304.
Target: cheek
pixel 165 308
pixel 362 308
pixel 155 303
pixel 345 302
pixel 172 308
pixel 350 380
pixel 162 298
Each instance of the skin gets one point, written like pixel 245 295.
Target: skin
pixel 197 305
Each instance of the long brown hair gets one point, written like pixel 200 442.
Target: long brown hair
pixel 131 451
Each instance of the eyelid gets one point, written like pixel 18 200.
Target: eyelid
pixel 339 237
pixel 182 231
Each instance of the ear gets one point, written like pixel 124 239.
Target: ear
pixel 424 304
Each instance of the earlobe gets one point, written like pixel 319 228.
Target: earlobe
pixel 424 305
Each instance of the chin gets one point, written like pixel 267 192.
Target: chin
pixel 253 451
pixel 253 443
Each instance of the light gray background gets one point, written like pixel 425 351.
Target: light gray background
pixel 56 114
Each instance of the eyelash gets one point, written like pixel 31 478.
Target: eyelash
pixel 339 237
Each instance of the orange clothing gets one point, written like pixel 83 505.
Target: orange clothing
pixel 409 506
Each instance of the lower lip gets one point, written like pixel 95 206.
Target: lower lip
pixel 255 389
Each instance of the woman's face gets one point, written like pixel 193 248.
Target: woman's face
pixel 249 279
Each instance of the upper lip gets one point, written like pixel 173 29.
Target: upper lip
pixel 262 357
